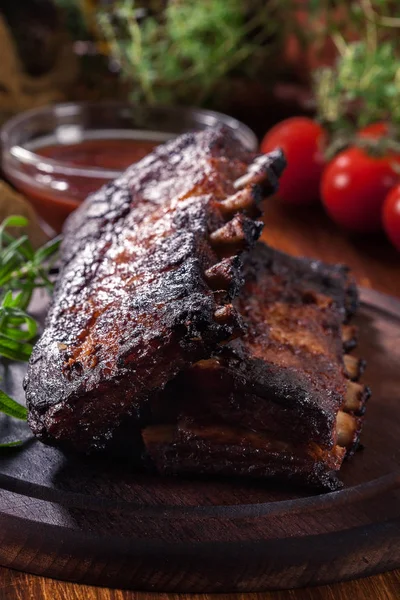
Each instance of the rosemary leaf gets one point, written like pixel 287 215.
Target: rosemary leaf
pixel 11 408
pixel 13 444
pixel 15 350
pixel 22 270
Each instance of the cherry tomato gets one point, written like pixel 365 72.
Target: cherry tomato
pixel 375 130
pixel 302 141
pixel 391 216
pixel 354 186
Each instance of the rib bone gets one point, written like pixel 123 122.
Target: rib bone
pixel 354 394
pixel 349 337
pixel 264 169
pixel 244 200
pixel 235 235
pixel 346 428
pixel 226 314
pixel 356 397
pixel 354 367
pixel 223 275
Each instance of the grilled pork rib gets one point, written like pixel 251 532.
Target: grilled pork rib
pixel 149 266
pixel 280 401
pixel 158 344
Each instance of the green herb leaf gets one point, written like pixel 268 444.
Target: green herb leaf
pixel 362 88
pixel 26 249
pixel 47 251
pixel 14 350
pixel 13 444
pixel 183 49
pixel 13 221
pixel 11 408
pixel 22 270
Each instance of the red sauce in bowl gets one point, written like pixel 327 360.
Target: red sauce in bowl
pixel 106 154
pixel 60 193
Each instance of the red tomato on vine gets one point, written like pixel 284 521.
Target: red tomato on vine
pixel 391 216
pixel 302 141
pixel 354 187
pixel 375 130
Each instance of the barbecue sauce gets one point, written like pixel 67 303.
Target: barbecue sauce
pixel 70 189
pixel 106 154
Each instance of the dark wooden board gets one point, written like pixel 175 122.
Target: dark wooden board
pixel 96 521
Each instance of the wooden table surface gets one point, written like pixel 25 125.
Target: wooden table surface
pixel 303 232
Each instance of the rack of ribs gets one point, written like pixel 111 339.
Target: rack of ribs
pixel 284 399
pixel 176 337
pixel 137 299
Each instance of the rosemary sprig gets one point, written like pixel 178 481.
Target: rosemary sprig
pixel 13 409
pixel 9 407
pixel 22 270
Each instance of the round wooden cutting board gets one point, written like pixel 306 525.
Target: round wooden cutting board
pixel 97 521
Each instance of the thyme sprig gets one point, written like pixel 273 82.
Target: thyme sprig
pixel 183 49
pixel 362 88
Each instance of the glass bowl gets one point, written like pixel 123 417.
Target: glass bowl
pixel 55 186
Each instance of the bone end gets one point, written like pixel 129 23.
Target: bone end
pixel 225 275
pixel 346 429
pixel 266 170
pixel 349 337
pixel 356 397
pixel 236 235
pixel 245 200
pixel 225 314
pixel 354 367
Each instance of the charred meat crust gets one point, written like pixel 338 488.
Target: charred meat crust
pixel 135 302
pixel 288 366
pixel 229 451
pixel 285 378
pixel 300 276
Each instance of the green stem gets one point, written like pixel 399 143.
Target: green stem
pixel 370 26
pixel 339 42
